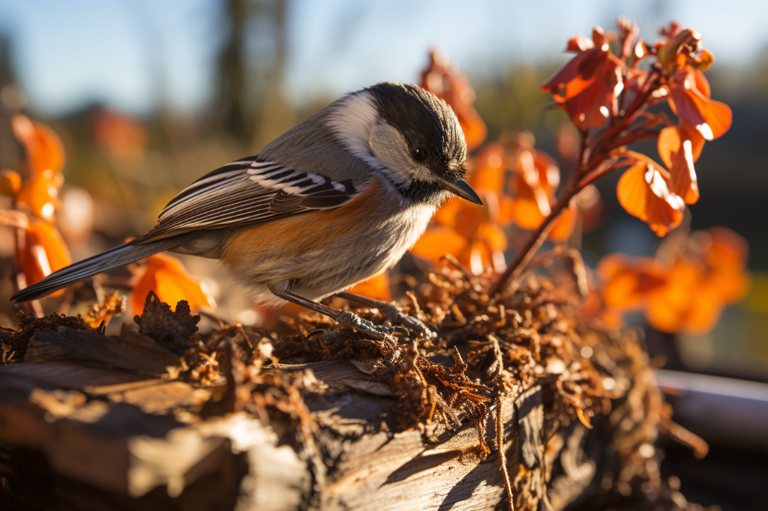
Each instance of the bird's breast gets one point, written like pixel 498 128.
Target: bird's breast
pixel 350 243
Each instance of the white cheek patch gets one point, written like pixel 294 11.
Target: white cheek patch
pixel 390 147
pixel 356 121
pixel 352 120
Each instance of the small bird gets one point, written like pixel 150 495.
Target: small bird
pixel 332 202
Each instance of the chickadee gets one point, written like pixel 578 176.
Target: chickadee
pixel 332 202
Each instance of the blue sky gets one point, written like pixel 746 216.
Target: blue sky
pixel 68 53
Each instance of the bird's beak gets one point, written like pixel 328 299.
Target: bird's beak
pixel 463 190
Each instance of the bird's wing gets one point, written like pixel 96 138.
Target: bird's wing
pixel 244 192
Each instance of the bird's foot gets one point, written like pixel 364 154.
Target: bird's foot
pixel 350 320
pixel 396 316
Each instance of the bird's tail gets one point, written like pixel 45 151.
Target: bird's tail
pixel 112 258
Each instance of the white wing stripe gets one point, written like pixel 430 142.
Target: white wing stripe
pixel 232 195
pixel 214 189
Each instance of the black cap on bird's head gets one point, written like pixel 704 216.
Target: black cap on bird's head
pixel 432 133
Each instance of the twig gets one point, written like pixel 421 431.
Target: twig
pixel 600 158
pixel 524 255
pixel 502 452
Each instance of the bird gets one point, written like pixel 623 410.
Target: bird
pixel 334 201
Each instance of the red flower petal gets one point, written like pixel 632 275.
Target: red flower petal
pixel 711 118
pixel 586 87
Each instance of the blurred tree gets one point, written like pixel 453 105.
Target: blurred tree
pixel 251 67
pixel 11 100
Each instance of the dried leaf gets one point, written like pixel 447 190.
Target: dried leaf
pixel 113 305
pixel 583 418
pixel 172 330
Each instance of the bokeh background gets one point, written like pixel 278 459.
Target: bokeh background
pixel 150 95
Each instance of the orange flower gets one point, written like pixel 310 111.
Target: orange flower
pixel 628 281
pixel 171 282
pixel 43 147
pixel 488 169
pixel 538 177
pixel 39 194
pixel 447 83
pixel 537 180
pixel 376 287
pixel 644 192
pixel 689 97
pixel 594 307
pixel 690 293
pixel 41 253
pixel 668 306
pixel 470 233
pixel 438 241
pixel 586 87
pixel 725 255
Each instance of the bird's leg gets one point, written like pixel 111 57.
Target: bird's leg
pixel 393 313
pixel 344 318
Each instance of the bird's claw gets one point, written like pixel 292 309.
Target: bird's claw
pixel 405 325
pixel 396 316
pixel 347 319
pixel 350 319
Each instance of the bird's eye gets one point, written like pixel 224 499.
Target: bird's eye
pixel 419 154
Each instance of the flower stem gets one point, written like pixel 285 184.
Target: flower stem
pixel 592 165
pixel 534 241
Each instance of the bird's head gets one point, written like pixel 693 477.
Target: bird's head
pixel 409 135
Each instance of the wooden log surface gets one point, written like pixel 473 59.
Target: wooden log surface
pixel 96 422
pixel 128 433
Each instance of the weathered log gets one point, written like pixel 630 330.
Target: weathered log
pixel 89 421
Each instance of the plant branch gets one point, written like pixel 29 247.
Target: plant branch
pixel 534 241
pixel 599 158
